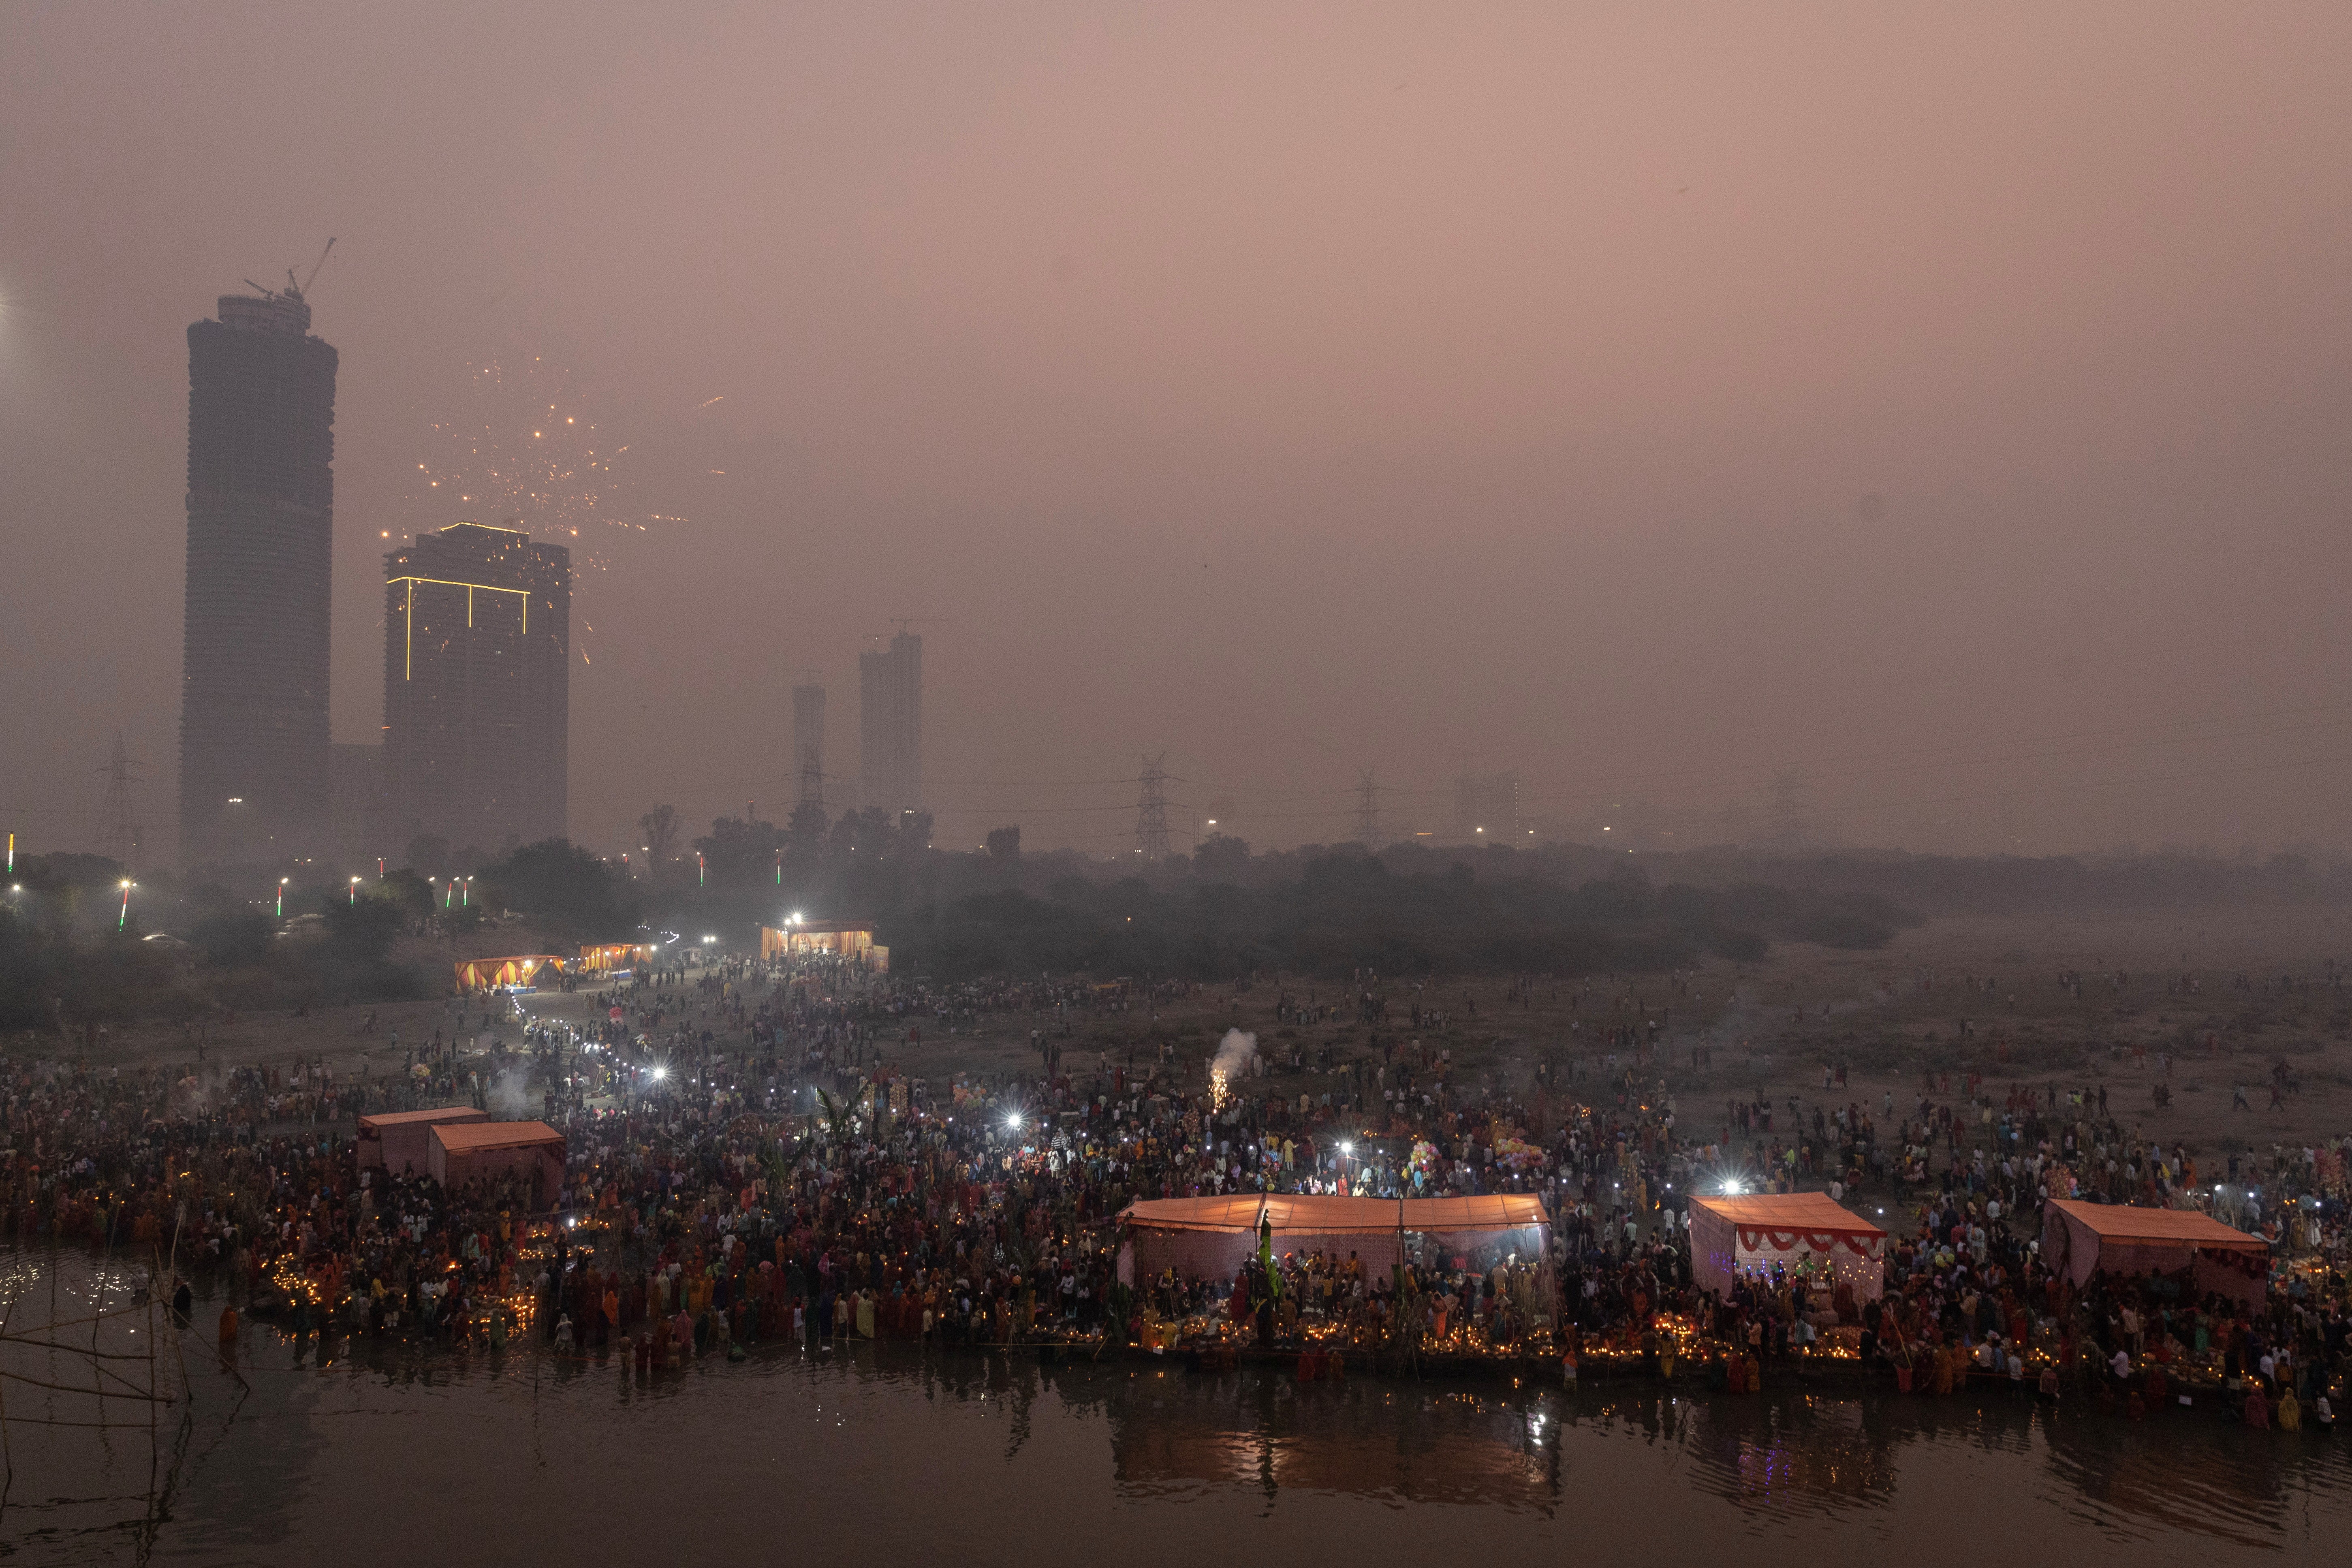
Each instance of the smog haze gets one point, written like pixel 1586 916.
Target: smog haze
pixel 1926 428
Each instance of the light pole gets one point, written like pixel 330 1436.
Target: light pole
pixel 469 892
pixel 355 890
pixel 123 920
pixel 282 894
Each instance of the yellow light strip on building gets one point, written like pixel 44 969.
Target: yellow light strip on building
pixel 408 632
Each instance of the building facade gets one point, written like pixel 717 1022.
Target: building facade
pixel 355 804
pixel 477 671
pixel 1486 808
pixel 890 725
pixel 254 781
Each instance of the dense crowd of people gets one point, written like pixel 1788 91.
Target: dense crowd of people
pixel 744 1164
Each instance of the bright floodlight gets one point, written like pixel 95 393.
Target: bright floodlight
pixel 661 1072
pixel 1346 1148
pixel 1732 1185
pixel 1013 1121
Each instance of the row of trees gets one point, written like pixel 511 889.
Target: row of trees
pixel 75 954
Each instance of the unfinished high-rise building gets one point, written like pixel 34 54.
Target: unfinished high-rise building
pixel 262 500
pixel 890 725
pixel 808 741
pixel 477 670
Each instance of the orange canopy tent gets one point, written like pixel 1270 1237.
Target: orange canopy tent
pixel 1211 1237
pixel 2081 1240
pixel 476 973
pixel 600 958
pixel 1734 1235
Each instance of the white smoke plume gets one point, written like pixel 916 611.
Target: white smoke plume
pixel 1236 1057
pixel 509 1099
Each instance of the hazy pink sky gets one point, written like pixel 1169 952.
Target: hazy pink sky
pixel 1298 390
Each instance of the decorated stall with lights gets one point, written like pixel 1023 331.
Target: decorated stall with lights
pixel 398 1141
pixel 1210 1238
pixel 852 939
pixel 2080 1239
pixel 477 974
pixel 1802 1233
pixel 484 1150
pixel 602 958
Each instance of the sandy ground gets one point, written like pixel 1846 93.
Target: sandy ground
pixel 1890 1015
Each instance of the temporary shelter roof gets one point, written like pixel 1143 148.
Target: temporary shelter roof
pixel 477 1135
pixel 1787 1213
pixel 2128 1222
pixel 2081 1240
pixel 384 1120
pixel 399 1140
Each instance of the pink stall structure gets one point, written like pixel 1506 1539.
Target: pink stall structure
pixel 531 1151
pixel 395 1141
pixel 2080 1239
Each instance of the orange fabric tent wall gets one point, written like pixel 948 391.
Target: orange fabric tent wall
pixel 1211 1237
pixel 520 969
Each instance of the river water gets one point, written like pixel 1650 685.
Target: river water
pixel 393 1456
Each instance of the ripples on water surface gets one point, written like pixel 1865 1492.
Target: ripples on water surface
pixel 392 1456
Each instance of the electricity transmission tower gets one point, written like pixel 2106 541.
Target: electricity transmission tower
pixel 1368 810
pixel 811 782
pixel 1151 810
pixel 118 830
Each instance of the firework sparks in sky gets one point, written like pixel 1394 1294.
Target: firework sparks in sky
pixel 527 445
pixel 527 448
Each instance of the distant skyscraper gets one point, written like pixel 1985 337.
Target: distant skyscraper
pixel 477 671
pixel 261 501
pixel 355 809
pixel 1486 808
pixel 808 741
pixel 890 725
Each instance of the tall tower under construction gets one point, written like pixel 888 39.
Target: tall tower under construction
pixel 890 725
pixel 808 741
pixel 476 687
pixel 261 509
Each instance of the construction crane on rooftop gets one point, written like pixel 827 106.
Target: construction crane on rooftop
pixel 294 290
pixel 299 290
